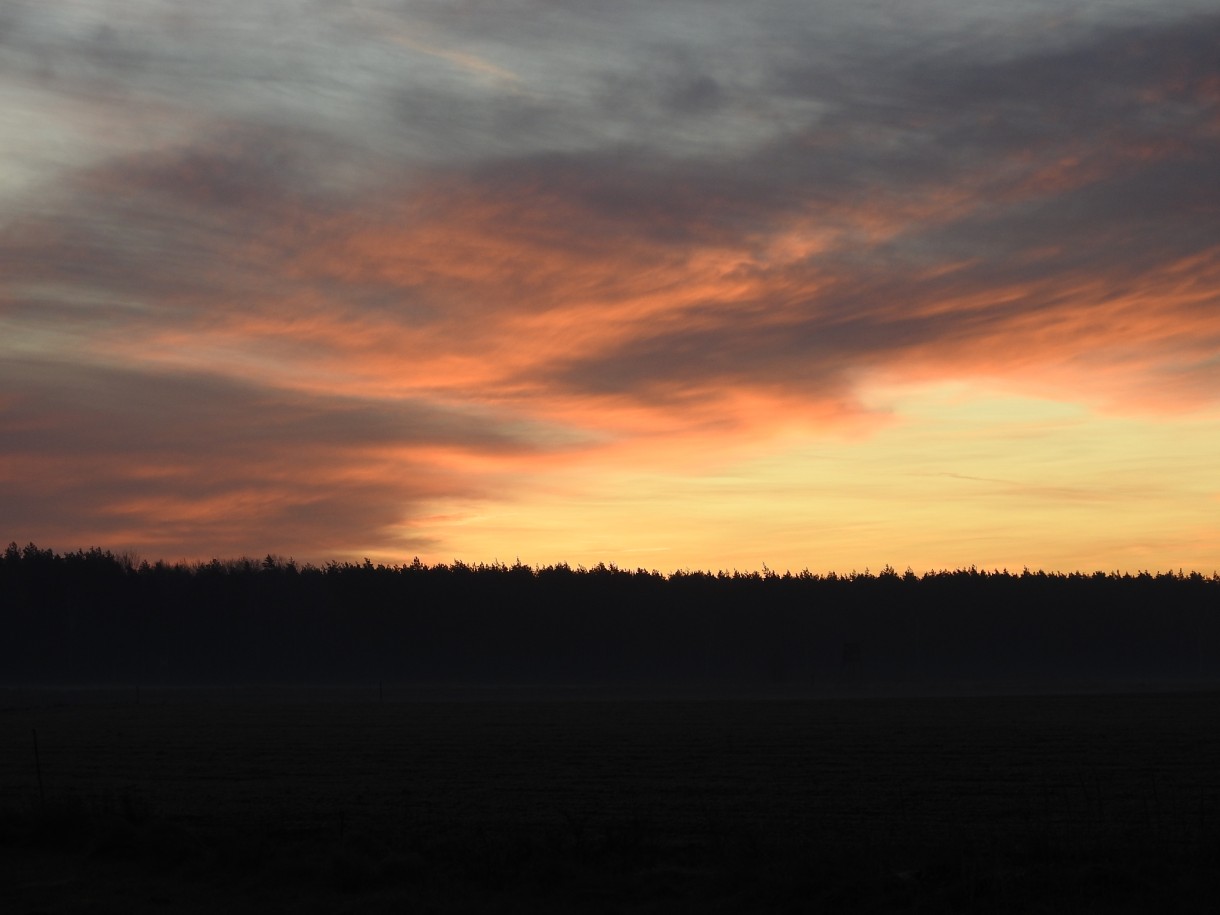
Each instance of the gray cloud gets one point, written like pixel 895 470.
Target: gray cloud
pixel 110 410
pixel 104 448
pixel 1110 197
pixel 177 222
pixel 181 171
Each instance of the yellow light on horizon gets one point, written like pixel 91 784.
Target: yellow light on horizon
pixel 961 476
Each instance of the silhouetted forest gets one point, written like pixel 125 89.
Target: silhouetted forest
pixel 94 617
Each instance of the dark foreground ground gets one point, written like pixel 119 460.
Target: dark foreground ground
pixel 278 801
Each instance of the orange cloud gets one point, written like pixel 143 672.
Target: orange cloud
pixel 230 342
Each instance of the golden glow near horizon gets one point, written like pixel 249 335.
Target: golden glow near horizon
pixel 956 477
pixel 826 289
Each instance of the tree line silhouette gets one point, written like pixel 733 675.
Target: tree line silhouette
pixel 97 617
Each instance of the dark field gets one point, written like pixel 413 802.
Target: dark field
pixel 331 801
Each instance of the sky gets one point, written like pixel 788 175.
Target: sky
pixel 676 284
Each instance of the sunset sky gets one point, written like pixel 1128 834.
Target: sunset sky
pixel 671 284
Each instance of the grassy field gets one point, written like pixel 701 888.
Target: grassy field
pixel 331 801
